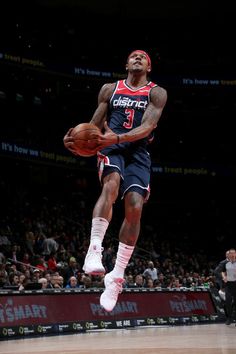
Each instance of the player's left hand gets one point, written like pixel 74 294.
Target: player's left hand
pixel 106 139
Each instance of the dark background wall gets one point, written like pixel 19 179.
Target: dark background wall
pixel 38 103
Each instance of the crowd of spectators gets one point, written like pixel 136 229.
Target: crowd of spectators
pixel 44 240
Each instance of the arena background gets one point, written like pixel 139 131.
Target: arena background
pixel 54 57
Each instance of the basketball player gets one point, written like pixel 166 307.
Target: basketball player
pixel 129 111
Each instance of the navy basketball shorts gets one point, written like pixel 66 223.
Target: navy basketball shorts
pixel 134 169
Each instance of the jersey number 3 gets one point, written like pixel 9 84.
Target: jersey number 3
pixel 130 118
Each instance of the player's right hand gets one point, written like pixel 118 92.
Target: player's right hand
pixel 68 141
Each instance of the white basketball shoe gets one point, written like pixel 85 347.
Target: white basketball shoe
pixel 113 287
pixel 93 261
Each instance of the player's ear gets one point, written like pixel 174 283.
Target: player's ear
pixel 126 67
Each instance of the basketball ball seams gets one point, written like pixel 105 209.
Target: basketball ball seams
pixel 83 141
pixel 77 134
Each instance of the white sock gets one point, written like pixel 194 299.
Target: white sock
pixel 122 259
pixel 99 228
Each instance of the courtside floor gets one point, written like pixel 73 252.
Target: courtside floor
pixel 190 339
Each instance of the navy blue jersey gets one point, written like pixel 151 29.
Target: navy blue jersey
pixel 127 106
pixel 130 159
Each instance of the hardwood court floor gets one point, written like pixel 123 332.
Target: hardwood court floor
pixel 195 339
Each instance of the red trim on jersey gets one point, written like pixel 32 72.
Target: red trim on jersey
pixel 123 89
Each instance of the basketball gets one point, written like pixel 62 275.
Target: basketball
pixel 82 134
